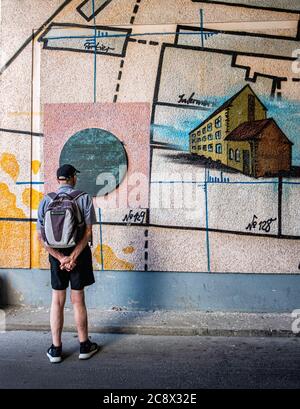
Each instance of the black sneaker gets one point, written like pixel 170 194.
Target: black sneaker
pixel 88 349
pixel 54 354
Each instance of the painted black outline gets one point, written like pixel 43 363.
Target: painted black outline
pixel 279 235
pixel 234 54
pixel 223 3
pixel 192 228
pixel 162 226
pixel 21 132
pixel 53 25
pixel 78 8
pixel 33 36
pixel 236 33
pixel 17 219
pixel 157 226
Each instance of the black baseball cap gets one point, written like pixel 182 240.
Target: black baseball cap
pixel 66 171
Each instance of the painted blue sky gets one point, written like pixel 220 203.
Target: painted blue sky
pixel 286 113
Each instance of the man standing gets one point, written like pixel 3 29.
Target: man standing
pixel 72 264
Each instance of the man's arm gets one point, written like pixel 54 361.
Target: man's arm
pixel 80 246
pixel 55 253
pixel 40 223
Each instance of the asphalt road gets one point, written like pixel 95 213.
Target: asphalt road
pixel 165 362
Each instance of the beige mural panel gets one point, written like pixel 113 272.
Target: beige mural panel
pixel 239 254
pixel 184 250
pixel 149 73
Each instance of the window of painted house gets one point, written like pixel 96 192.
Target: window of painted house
pixel 204 130
pixel 231 154
pixel 204 138
pixel 198 139
pixel 193 147
pixel 218 148
pixel 237 155
pixel 199 147
pixel 204 147
pixel 218 122
pixel 210 137
pixel 210 148
pixel 209 127
pixel 218 135
pixel 198 133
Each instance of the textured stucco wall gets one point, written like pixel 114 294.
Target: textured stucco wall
pixel 148 72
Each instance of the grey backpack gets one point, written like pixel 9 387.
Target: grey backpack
pixel 63 221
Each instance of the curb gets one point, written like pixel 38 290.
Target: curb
pixel 163 331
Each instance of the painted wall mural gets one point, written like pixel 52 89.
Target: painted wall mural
pixel 183 117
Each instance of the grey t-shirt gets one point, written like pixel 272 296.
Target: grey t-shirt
pixel 85 204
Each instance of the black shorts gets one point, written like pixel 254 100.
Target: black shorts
pixel 81 276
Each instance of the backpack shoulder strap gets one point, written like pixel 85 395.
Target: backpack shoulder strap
pixel 76 194
pixel 52 195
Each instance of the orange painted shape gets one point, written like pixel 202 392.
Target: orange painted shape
pixel 128 250
pixel 111 261
pixel 35 166
pixel 10 165
pixel 8 206
pixel 36 197
pixel 14 244
pixel 39 256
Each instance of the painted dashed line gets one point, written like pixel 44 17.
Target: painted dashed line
pixel 135 10
pixel 146 249
pixel 118 84
pixel 134 40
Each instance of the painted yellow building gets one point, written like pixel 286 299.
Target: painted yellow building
pixel 209 138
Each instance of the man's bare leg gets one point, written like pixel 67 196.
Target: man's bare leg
pixel 80 314
pixel 57 315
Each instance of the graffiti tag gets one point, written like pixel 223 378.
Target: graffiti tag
pixel 92 45
pixel 191 100
pixel 264 225
pixel 137 217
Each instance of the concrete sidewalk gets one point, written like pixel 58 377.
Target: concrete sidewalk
pixel 157 322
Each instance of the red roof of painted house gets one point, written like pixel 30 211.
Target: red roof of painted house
pixel 227 104
pixel 251 130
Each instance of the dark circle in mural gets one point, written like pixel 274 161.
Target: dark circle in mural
pixel 101 158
